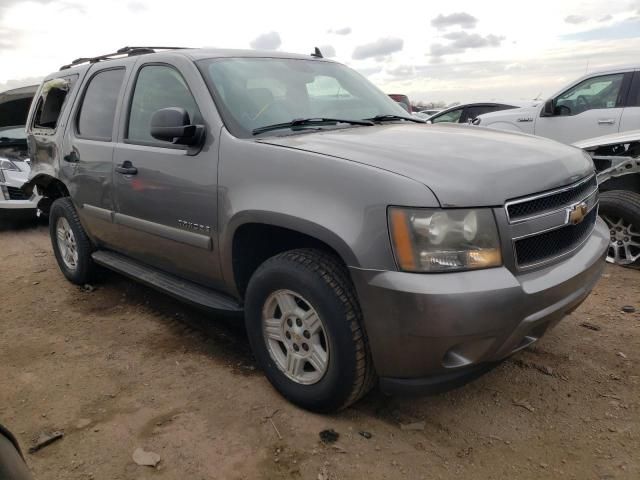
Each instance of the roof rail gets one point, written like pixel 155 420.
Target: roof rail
pixel 124 51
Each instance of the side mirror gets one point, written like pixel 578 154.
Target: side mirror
pixel 173 125
pixel 549 108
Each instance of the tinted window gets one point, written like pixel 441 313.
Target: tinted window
pixel 157 87
pixel 99 105
pixel 453 116
pixel 592 93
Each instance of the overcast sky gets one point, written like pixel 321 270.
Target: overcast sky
pixel 457 50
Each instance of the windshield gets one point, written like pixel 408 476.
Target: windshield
pixel 12 134
pixel 257 92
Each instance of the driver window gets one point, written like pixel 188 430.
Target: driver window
pixel 157 87
pixel 453 116
pixel 593 93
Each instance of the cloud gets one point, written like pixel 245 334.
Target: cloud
pixel 465 40
pixel 17 83
pixel 463 19
pixel 340 31
pixel 629 28
pixel 606 18
pixel 379 48
pixel 575 19
pixel 328 51
pixel 461 41
pixel 401 71
pixel 266 41
pixel 439 50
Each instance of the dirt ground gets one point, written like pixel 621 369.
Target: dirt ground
pixel 123 367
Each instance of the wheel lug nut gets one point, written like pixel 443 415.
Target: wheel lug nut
pixel 305 347
pixel 298 322
pixel 626 239
pixel 289 322
pixel 307 334
pixel 288 335
pixel 296 347
pixel 619 242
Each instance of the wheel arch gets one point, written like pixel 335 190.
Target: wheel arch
pixel 50 187
pixel 252 237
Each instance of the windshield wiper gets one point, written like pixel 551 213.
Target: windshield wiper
pixel 303 122
pixel 391 117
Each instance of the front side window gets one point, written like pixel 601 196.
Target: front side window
pixel 157 87
pixel 453 116
pixel 255 92
pixel 98 110
pixel 592 93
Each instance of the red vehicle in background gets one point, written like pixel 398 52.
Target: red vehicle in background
pixel 402 100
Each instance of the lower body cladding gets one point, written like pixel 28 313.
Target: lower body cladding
pixel 427 331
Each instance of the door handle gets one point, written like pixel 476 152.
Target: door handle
pixel 71 157
pixel 606 121
pixel 126 168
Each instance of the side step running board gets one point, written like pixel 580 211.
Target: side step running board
pixel 176 287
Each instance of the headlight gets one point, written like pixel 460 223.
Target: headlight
pixel 6 164
pixel 435 240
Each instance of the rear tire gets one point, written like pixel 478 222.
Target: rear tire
pixel 309 284
pixel 620 209
pixel 71 245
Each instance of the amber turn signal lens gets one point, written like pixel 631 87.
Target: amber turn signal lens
pixel 401 236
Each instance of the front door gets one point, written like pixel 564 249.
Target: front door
pixel 589 109
pixel 166 194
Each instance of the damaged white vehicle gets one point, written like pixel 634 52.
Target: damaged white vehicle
pixel 617 161
pixel 14 161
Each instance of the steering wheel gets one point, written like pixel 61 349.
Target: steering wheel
pixel 582 103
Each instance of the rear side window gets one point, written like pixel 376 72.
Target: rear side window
pixel 157 87
pixel 52 98
pixel 98 109
pixel 453 116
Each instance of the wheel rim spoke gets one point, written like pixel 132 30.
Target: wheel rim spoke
pixel 66 243
pixel 273 329
pixel 295 364
pixel 286 302
pixel 312 322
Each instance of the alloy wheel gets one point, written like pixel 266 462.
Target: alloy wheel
pixel 295 336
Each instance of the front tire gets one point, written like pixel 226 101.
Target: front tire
pixel 71 245
pixel 305 328
pixel 620 209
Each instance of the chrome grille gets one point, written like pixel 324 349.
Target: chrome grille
pixel 521 209
pixel 550 225
pixel 537 249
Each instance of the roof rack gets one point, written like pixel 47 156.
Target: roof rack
pixel 124 51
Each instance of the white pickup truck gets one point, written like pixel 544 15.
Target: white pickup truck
pixel 600 103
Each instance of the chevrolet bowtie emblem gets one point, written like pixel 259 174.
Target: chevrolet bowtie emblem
pixel 577 213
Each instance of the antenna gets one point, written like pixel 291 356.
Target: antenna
pixel 317 53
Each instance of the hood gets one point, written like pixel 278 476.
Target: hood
pixel 612 139
pixel 464 166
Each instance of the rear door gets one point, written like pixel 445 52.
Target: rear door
pixel 589 109
pixel 631 113
pixel 87 157
pixel 167 209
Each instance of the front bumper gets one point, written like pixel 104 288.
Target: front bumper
pixel 422 327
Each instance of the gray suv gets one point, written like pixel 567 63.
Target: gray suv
pixel 362 245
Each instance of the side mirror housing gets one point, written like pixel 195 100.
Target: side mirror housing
pixel 549 108
pixel 174 125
